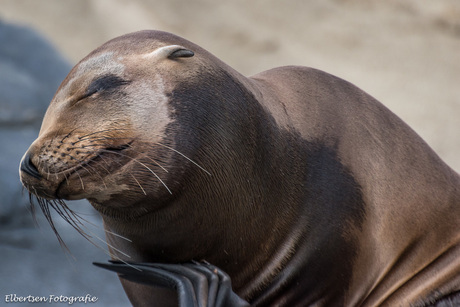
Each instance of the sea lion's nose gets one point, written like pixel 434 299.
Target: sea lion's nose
pixel 28 167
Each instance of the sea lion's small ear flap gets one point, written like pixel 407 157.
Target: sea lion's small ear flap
pixel 171 52
pixel 181 53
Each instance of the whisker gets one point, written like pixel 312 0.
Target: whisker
pixel 109 245
pixel 69 215
pixel 44 206
pixel 95 172
pixel 105 169
pixel 32 206
pixel 146 156
pixel 61 208
pixel 47 172
pixel 136 160
pixel 175 150
pixel 84 152
pixel 97 138
pixel 128 264
pixel 66 179
pixel 92 234
pixel 110 232
pixel 66 136
pixel 138 183
pixel 131 148
pixel 118 235
pixel 81 180
pixel 104 138
pixel 85 167
pixel 39 163
pixel 74 219
pixel 54 136
pixel 142 164
pixel 103 159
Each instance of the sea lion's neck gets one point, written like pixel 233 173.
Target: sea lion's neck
pixel 210 217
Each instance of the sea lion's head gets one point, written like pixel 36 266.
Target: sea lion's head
pixel 110 134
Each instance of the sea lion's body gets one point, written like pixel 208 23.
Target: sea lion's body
pixel 300 186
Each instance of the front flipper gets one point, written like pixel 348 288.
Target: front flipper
pixel 197 284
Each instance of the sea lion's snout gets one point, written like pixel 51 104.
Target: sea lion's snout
pixel 28 167
pixel 72 165
pixel 34 179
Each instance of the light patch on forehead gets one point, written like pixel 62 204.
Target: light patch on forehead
pixel 102 64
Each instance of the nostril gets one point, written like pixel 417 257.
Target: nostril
pixel 29 168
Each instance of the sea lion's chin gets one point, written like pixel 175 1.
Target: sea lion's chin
pixel 74 186
pixel 97 187
pixel 67 192
pixel 40 188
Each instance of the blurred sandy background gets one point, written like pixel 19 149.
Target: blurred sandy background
pixel 406 53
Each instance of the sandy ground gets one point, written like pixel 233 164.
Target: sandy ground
pixel 406 53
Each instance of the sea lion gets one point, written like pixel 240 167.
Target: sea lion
pixel 301 187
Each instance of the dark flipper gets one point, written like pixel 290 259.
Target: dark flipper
pixel 197 284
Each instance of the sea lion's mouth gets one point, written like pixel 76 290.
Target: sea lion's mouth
pixel 102 163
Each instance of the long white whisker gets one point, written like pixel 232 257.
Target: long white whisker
pixel 81 180
pixel 154 161
pixel 47 172
pixel 138 183
pixel 164 184
pixel 96 172
pixel 148 168
pixel 118 235
pixel 130 265
pixel 131 148
pixel 66 179
pixel 109 245
pixel 185 157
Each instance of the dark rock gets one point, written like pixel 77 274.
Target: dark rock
pixel 30 72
